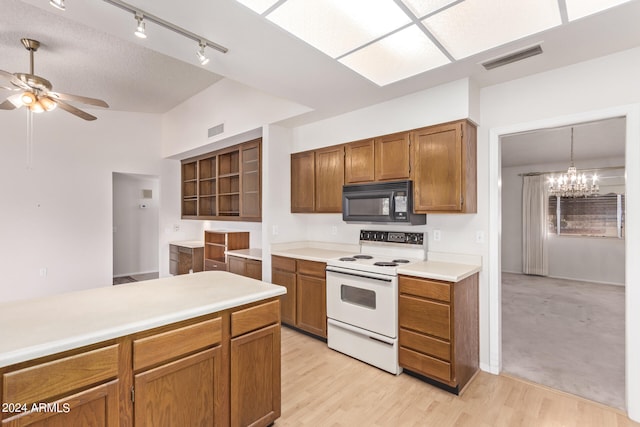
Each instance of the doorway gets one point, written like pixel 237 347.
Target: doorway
pixel 135 227
pixel 564 327
pixel 632 240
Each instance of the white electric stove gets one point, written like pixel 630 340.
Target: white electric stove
pixel 362 296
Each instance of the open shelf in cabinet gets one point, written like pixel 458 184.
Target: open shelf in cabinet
pixel 217 243
pixel 223 184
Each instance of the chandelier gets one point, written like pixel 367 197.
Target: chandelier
pixel 572 183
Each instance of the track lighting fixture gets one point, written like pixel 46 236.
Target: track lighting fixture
pixel 58 4
pixel 200 54
pixel 143 16
pixel 140 29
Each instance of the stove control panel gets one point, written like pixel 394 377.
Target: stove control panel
pixel 392 237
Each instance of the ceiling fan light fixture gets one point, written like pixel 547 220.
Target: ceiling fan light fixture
pixel 140 29
pixel 28 98
pixel 36 107
pixel 58 4
pixel 47 103
pixel 200 54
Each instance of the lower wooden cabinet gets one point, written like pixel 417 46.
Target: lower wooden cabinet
pixel 438 334
pixel 97 406
pixel 218 370
pixel 183 392
pixel 245 267
pixel 255 377
pixel 305 304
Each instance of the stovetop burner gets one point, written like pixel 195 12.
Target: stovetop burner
pixel 401 261
pixel 347 258
pixel 362 256
pixel 385 264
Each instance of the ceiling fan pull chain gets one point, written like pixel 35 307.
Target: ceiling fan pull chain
pixel 29 140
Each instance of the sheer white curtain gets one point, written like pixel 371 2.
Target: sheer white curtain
pixel 535 203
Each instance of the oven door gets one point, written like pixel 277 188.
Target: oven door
pixel 365 300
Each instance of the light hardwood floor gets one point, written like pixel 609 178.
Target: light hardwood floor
pixel 321 387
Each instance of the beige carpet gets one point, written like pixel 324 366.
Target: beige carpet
pixel 565 334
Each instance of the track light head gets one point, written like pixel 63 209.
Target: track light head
pixel 140 29
pixel 200 54
pixel 58 4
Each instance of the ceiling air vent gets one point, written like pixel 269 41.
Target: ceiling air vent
pixel 513 57
pixel 216 130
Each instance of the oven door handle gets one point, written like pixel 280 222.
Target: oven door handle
pixel 365 276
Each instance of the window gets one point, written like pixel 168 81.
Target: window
pixel 601 216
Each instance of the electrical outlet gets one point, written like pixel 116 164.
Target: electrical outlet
pixel 436 235
pixel 334 230
pixel 479 236
pixel 43 272
pixel 274 230
pixel 176 227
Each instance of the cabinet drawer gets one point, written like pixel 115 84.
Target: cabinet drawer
pixel 210 265
pixel 253 318
pixel 424 344
pixel 425 288
pixel 169 345
pixel 60 376
pixel 423 364
pixel 424 316
pixel 311 268
pixel 173 249
pixel 283 263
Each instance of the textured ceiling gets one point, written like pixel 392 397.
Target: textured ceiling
pixel 81 60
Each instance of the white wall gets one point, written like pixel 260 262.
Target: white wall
pixel 570 257
pixel 601 88
pixel 58 215
pixel 239 107
pixel 135 229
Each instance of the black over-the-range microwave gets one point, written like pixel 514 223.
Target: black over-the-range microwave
pixel 382 202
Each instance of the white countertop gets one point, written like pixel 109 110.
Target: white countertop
pixel 192 244
pixel 437 270
pixel 44 326
pixel 314 251
pixel 438 266
pixel 252 253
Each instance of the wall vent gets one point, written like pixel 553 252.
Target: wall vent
pixel 513 57
pixel 216 130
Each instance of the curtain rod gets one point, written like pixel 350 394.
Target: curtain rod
pixel 564 171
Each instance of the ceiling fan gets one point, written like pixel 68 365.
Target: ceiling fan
pixel 34 92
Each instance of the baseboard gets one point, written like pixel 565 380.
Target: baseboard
pixel 135 273
pixel 569 278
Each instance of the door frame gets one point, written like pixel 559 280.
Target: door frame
pixel 632 238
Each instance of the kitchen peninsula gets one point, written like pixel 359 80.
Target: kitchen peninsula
pixel 183 350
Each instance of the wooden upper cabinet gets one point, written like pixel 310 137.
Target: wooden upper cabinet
pixel 392 157
pixel 303 182
pixel 329 179
pixel 224 184
pixel 359 161
pixel 444 168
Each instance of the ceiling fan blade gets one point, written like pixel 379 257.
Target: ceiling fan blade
pixel 73 110
pixel 11 103
pixel 78 98
pixel 14 80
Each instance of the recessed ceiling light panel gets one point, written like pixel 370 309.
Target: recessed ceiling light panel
pixel 473 26
pixel 422 8
pixel 258 6
pixel 398 56
pixel 580 8
pixel 337 26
